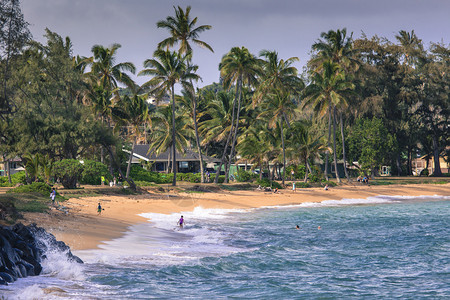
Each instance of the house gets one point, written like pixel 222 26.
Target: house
pixel 188 162
pixel 14 166
pixel 419 164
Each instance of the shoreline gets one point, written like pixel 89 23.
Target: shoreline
pixel 81 228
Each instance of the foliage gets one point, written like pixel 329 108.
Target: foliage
pixel 329 183
pixel 243 176
pixel 265 182
pixel 69 171
pixel 316 175
pixel 370 143
pixel 16 178
pixel 302 185
pixel 35 187
pixel 93 171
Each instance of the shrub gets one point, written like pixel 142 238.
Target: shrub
pixel 330 183
pixel 221 178
pixel 36 187
pixel 69 172
pixel 93 171
pixel 265 182
pixel 302 185
pixel 243 176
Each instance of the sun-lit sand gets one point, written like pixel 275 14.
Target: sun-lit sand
pixel 82 228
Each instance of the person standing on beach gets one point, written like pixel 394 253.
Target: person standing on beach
pixel 53 195
pixel 99 209
pixel 294 188
pixel 181 222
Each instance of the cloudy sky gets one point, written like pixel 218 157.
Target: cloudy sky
pixel 287 26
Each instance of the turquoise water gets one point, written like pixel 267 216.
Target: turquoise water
pixel 382 247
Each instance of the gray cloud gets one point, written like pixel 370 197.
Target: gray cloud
pixel 290 27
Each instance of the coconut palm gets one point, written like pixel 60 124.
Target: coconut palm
pixel 162 132
pixel 104 70
pixel 308 145
pixel 276 109
pixel 168 68
pixel 183 31
pixel 240 67
pixel 278 74
pixel 411 46
pixel 337 47
pixel 136 117
pixel 327 91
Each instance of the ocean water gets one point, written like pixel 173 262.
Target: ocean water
pixel 380 247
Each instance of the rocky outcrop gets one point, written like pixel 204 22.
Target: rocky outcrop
pixel 22 249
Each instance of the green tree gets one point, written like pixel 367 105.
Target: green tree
pixel 240 67
pixel 14 35
pixel 276 109
pixel 168 68
pixel 370 144
pixel 327 91
pixel 183 31
pixel 162 137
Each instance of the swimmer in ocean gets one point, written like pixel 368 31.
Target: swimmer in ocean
pixel 181 222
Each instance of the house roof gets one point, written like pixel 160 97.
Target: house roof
pixel 142 152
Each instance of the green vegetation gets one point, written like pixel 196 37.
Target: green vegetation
pixel 35 187
pixel 366 100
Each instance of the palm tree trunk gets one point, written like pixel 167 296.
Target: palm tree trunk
pixel 113 159
pixel 216 180
pixel 334 148
pixel 343 147
pixel 174 159
pixel 306 171
pixel 131 158
pixel 233 144
pixel 284 151
pixel 197 138
pixel 329 138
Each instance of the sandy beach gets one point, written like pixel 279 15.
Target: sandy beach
pixel 81 228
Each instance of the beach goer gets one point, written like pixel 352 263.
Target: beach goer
pixel 297 227
pixel 365 180
pixel 181 222
pixel 319 228
pixel 275 190
pixel 326 187
pixel 358 179
pixel 53 195
pixel 103 180
pixel 115 181
pixel 208 176
pixel 294 188
pixel 99 209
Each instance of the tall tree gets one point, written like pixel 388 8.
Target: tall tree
pixel 240 67
pixel 183 31
pixel 276 109
pixel 168 68
pixel 136 117
pixel 327 91
pixel 14 34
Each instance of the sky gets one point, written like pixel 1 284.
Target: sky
pixel 289 27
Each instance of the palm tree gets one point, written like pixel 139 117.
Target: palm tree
pixel 327 91
pixel 276 109
pixel 182 30
pixel 105 73
pixel 240 67
pixel 168 68
pixel 338 48
pixel 162 129
pixel 278 74
pixel 136 117
pixel 307 144
pixel 411 45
